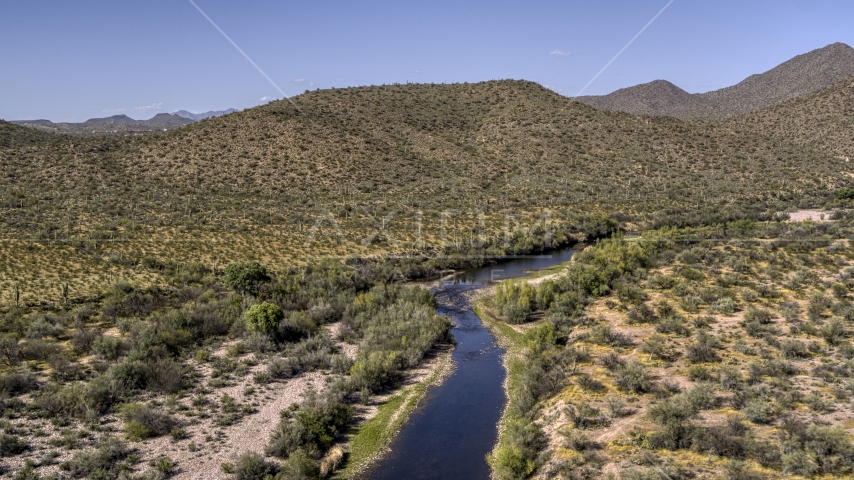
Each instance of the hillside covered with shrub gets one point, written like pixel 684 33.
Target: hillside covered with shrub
pixel 678 356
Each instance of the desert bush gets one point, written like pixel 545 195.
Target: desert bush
pixel 10 350
pixel 252 466
pixel 299 466
pixel 726 440
pixel 17 382
pixel 839 289
pixel 583 415
pixel 163 375
pixel 101 462
pixel 656 345
pixel 82 340
pixel 699 373
pixel 612 361
pixel 259 343
pixel 144 421
pixel 758 315
pixel 517 458
pixel 210 320
pixel 730 377
pixel 315 423
pixel 792 348
pixel 38 349
pixel 42 325
pixel 642 313
pixel 331 461
pixel 833 331
pixel 282 368
pixel 589 383
pixel 759 411
pixel 108 347
pixel 633 377
pixel 575 439
pixel 817 305
pixel 701 353
pixel 725 306
pixel 295 327
pixel 245 277
pixel 605 335
pixel 264 318
pixel 12 445
pixel 675 324
pixel 616 406
pixel 314 352
pixel 516 301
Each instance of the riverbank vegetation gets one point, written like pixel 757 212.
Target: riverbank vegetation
pixel 716 351
pixel 83 384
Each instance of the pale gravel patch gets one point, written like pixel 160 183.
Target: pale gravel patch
pixel 251 433
pixel 810 215
pixel 348 349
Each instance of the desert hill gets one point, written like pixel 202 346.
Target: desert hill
pixel 799 76
pixel 490 145
pixel 823 120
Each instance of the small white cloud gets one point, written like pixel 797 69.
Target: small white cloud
pixel 560 53
pixel 302 81
pixel 147 108
pixel 266 99
pixel 419 72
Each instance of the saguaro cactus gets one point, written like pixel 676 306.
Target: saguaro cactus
pixel 65 293
pixel 17 295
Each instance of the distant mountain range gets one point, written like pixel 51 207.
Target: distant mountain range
pixel 799 76
pixel 122 124
pixel 202 116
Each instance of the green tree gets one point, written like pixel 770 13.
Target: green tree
pixel 245 277
pixel 264 318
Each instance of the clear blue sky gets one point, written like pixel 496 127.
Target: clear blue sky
pixel 69 61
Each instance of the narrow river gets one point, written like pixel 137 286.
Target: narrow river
pixel 456 424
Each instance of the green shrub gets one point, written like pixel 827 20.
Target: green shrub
pixel 675 324
pixel 264 318
pixel 642 313
pixel 162 464
pixel 163 375
pixel 833 331
pixel 793 349
pixel 605 335
pixel 699 373
pixel 107 347
pixel 575 439
pixel 252 466
pixel 656 345
pixel 730 377
pixel 245 277
pixel 299 466
pixel 314 424
pixel 12 445
pixel 634 377
pixel 759 411
pixel 517 457
pixel 758 315
pixel 101 462
pixel 17 382
pixel 726 306
pixel 701 353
pixel 144 421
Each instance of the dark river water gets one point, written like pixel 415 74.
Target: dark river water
pixel 456 424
